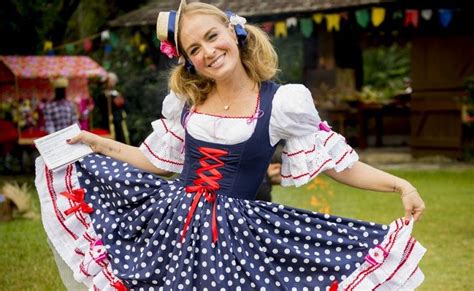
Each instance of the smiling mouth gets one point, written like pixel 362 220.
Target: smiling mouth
pixel 218 59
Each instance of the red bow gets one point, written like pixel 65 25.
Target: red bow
pixel 334 286
pixel 210 196
pixel 77 195
pixel 119 286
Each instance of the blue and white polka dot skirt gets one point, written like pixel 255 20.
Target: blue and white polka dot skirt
pixel 140 217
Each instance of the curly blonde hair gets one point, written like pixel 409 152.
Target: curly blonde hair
pixel 257 56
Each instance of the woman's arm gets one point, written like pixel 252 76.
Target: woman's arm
pixel 363 176
pixel 119 151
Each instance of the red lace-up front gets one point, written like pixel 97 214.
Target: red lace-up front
pixel 206 186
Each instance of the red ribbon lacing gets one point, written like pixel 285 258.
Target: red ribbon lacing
pixel 77 195
pixel 206 186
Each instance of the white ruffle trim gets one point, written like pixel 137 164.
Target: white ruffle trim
pixel 164 147
pixel 72 235
pixel 397 270
pixel 305 157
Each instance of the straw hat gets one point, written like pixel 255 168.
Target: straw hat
pixel 60 82
pixel 167 25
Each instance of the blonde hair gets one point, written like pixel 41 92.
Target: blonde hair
pixel 257 56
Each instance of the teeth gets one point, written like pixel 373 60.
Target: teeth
pixel 215 61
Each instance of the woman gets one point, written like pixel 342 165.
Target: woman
pixel 204 230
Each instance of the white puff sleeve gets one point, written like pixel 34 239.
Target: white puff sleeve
pixel 311 146
pixel 164 146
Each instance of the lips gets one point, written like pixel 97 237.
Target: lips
pixel 219 60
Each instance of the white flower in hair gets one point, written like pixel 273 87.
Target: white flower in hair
pixel 236 20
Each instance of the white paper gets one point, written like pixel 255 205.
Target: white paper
pixel 56 152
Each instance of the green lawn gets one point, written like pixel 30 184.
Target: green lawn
pixel 447 229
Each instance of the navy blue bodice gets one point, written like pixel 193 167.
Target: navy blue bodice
pixel 234 170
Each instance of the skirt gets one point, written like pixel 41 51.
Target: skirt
pixel 120 228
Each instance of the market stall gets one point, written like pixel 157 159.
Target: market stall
pixel 27 80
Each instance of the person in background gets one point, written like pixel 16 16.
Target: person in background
pixel 115 105
pixel 85 106
pixel 59 112
pixel 272 176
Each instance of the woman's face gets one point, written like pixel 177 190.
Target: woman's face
pixel 210 45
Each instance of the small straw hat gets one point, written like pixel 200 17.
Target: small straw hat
pixel 60 82
pixel 167 25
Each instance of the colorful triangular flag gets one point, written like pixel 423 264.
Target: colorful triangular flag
pixel 378 16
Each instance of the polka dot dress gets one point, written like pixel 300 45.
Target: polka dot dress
pixel 267 246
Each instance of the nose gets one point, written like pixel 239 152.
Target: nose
pixel 209 50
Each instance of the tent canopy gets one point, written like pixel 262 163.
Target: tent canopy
pixel 27 77
pixel 31 67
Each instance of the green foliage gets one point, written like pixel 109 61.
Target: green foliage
pixel 290 57
pixel 386 69
pixel 141 81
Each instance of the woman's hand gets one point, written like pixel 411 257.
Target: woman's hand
pixel 413 204
pixel 92 140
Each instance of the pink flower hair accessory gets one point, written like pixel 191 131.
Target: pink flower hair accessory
pixel 168 49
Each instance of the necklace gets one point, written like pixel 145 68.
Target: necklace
pixel 227 105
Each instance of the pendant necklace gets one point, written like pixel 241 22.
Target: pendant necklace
pixel 226 107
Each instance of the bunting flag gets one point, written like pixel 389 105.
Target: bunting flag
pixel 114 40
pixel 267 27
pixel 104 35
pixel 362 17
pixel 397 14
pixel 318 18
pixel 291 22
pixel 306 27
pixel 70 47
pixel 280 29
pixel 411 18
pixel 142 48
pixel 136 39
pixel 344 15
pixel 47 46
pixel 445 16
pixel 426 14
pixel 107 48
pixel 332 21
pixel 378 16
pixel 87 44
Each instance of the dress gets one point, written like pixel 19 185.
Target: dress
pixel 119 227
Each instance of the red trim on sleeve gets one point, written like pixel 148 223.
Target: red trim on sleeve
pixel 172 133
pixel 306 174
pixel 161 159
pixel 327 139
pixel 299 152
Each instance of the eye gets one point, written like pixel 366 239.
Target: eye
pixel 193 51
pixel 212 36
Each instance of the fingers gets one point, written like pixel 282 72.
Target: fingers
pixel 407 216
pixel 417 215
pixel 75 139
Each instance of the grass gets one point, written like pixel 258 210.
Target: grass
pixel 447 229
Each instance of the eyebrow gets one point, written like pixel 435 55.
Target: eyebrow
pixel 205 35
